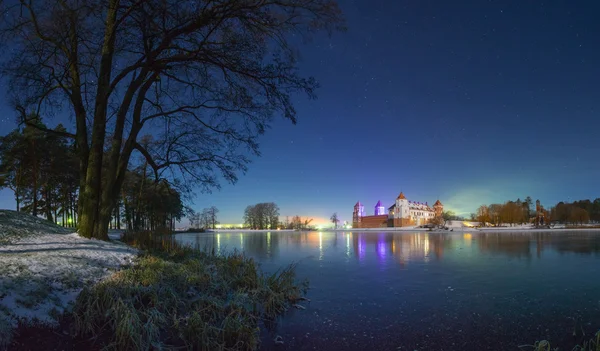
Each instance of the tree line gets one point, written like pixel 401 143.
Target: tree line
pixel 146 203
pixel 266 216
pixel 510 212
pixel 41 169
pixel 205 219
pixel 520 212
pixel 577 212
pixel 262 216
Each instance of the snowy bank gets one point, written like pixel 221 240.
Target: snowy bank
pixel 16 225
pixel 43 268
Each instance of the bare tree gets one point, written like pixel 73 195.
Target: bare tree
pixel 204 78
pixel 205 219
pixel 306 223
pixel 286 224
pixel 212 216
pixel 334 219
pixel 262 216
pixel 194 220
pixel 448 216
pixel 299 223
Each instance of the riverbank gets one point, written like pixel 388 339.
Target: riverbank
pixel 61 291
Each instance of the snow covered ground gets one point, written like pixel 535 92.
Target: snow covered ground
pixel 43 268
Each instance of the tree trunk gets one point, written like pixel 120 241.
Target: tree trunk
pixel 74 213
pixel 119 216
pixel 18 188
pixel 34 192
pixel 88 214
pixel 95 213
pixel 102 222
pixel 48 205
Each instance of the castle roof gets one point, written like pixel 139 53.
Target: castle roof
pixel 420 207
pixel 401 196
pixel 438 203
pixel 358 204
pixel 379 204
pixel 392 207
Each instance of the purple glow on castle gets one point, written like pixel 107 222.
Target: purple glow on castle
pixel 379 209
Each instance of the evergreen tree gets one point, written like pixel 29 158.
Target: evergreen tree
pixel 40 170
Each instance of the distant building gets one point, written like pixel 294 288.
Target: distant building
pixel 402 213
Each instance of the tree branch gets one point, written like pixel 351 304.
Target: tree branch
pixel 28 121
pixel 148 158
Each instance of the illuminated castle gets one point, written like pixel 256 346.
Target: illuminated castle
pixel 401 214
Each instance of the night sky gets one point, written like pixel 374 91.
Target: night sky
pixel 470 102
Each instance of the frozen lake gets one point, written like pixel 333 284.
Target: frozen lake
pixel 428 291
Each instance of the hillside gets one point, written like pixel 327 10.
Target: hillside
pixel 44 267
pixel 16 225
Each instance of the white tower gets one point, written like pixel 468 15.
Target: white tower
pixel 402 209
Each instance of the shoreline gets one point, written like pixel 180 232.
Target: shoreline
pixel 401 229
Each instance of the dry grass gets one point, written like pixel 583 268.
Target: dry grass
pixel 178 297
pixel 5 331
pixel 591 345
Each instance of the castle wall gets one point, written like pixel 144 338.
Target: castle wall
pixel 403 222
pixel 380 221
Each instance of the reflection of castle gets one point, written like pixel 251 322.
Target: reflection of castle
pixel 401 214
pixel 404 247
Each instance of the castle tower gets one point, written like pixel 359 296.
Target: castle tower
pixel 379 209
pixel 402 209
pixel 438 208
pixel 358 213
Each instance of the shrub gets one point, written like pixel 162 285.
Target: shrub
pixel 180 297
